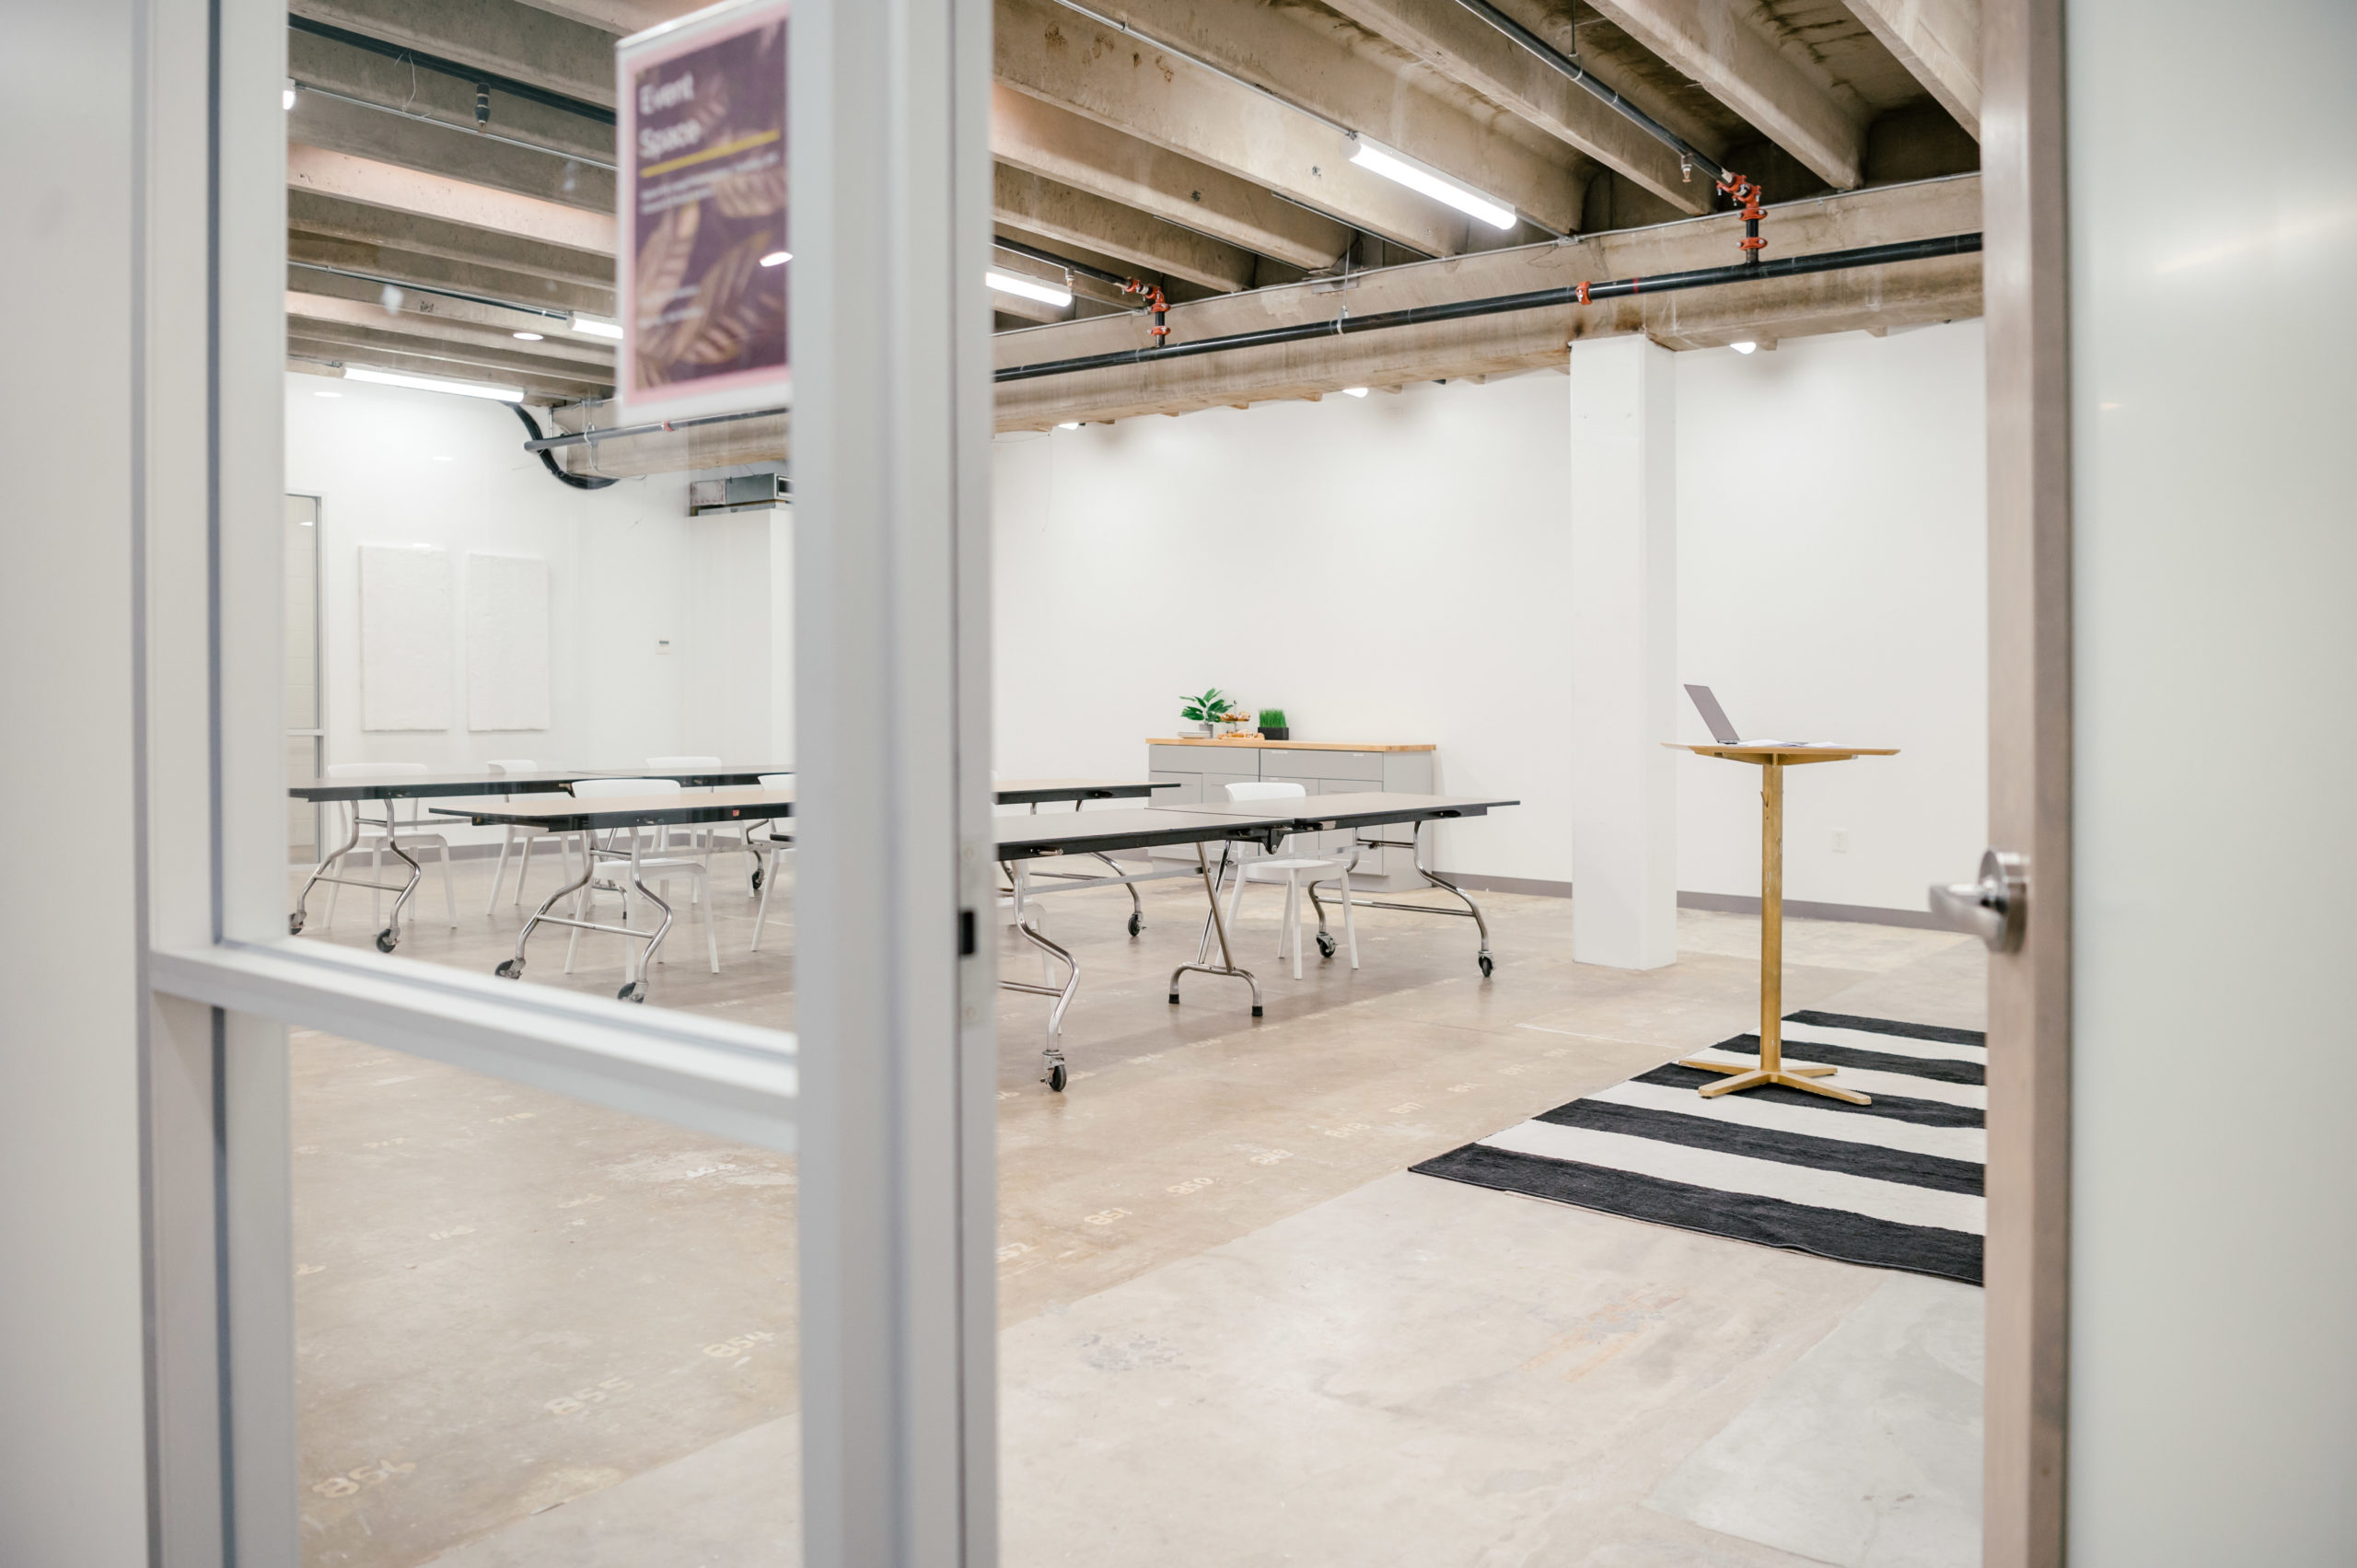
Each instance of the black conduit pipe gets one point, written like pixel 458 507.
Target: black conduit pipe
pixel 1546 52
pixel 537 444
pixel 1754 271
pixel 1457 311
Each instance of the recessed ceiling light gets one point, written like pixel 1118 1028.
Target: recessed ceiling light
pixel 1039 289
pixel 595 326
pixel 1743 348
pixel 1439 187
pixel 435 384
pixel 777 258
pixel 525 337
pixel 1354 392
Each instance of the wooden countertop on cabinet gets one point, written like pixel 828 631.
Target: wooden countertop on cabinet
pixel 1254 740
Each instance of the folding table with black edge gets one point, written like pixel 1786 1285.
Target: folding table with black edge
pixel 432 786
pixel 1035 793
pixel 1099 833
pixel 1357 811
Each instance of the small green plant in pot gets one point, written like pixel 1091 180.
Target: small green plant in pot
pixel 1210 710
pixel 1273 724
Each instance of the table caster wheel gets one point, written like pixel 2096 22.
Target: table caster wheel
pixel 1325 944
pixel 634 991
pixel 1137 922
pixel 1173 999
pixel 1486 966
pixel 295 924
pixel 386 940
pixel 757 881
pixel 513 969
pixel 1256 1009
pixel 1055 1077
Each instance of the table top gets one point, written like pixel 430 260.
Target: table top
pixel 1359 809
pixel 1812 752
pixel 1281 745
pixel 414 786
pixel 1103 832
pixel 1025 792
pixel 598 813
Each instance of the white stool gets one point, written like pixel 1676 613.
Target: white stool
pixel 518 833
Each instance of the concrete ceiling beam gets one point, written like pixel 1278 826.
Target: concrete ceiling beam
pixel 394 85
pixel 1939 43
pixel 375 183
pixel 1490 347
pixel 342 126
pixel 1059 144
pixel 1037 204
pixel 1829 222
pixel 499 36
pixel 309 212
pixel 307 253
pixel 617 18
pixel 324 297
pixel 1127 83
pixel 1721 45
pixel 1452 39
pixel 1341 72
pixel 330 343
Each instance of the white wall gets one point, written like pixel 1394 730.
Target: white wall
pixel 1833 585
pixel 2213 1231
pixel 629 568
pixel 1394 569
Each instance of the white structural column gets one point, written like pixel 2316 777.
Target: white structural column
pixel 890 228
pixel 1624 653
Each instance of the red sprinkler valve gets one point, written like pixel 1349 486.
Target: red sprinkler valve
pixel 1155 303
pixel 1739 189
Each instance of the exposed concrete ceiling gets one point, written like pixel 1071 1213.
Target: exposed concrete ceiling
pixel 1202 146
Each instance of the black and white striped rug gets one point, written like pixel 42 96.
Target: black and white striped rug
pixel 1894 1185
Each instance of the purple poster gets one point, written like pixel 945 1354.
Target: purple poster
pixel 704 263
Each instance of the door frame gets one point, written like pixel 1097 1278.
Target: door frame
pixel 2025 283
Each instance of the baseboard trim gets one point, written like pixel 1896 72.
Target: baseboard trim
pixel 1804 909
pixel 1724 903
pixel 1531 885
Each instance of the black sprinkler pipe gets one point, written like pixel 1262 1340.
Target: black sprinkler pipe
pixel 1751 270
pixel 540 443
pixel 544 444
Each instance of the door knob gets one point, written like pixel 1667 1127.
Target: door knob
pixel 1992 908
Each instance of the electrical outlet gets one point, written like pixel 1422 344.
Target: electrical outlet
pixel 1840 841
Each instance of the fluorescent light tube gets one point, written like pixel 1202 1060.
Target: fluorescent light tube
pixel 1440 188
pixel 435 384
pixel 525 337
pixel 1743 348
pixel 286 94
pixel 777 258
pixel 592 327
pixel 1073 425
pixel 1029 288
pixel 1354 392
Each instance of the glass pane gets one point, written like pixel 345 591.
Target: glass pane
pixel 531 1332
pixel 302 612
pixel 302 816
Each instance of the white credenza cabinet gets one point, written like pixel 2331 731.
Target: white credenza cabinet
pixel 1200 769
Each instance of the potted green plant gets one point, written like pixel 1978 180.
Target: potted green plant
pixel 1210 710
pixel 1273 724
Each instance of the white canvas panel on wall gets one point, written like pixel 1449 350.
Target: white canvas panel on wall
pixel 508 641
pixel 404 637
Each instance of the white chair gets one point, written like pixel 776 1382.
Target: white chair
pixel 392 832
pixel 768 848
pixel 639 857
pixel 1297 872
pixel 522 833
pixel 702 838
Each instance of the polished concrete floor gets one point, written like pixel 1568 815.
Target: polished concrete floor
pixel 1234 1329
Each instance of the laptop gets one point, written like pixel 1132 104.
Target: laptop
pixel 1722 730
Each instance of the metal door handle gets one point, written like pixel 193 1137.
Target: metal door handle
pixel 1992 908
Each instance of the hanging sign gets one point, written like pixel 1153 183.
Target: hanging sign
pixel 702 263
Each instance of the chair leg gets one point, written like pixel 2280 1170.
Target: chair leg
pixel 375 899
pixel 1349 919
pixel 761 916
pixel 499 872
pixel 581 900
pixel 1235 901
pixel 1292 917
pixel 523 867
pixel 711 936
pixel 449 887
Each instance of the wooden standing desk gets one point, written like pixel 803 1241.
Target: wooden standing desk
pixel 1771 762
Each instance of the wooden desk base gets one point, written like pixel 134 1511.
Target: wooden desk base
pixel 1743 1078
